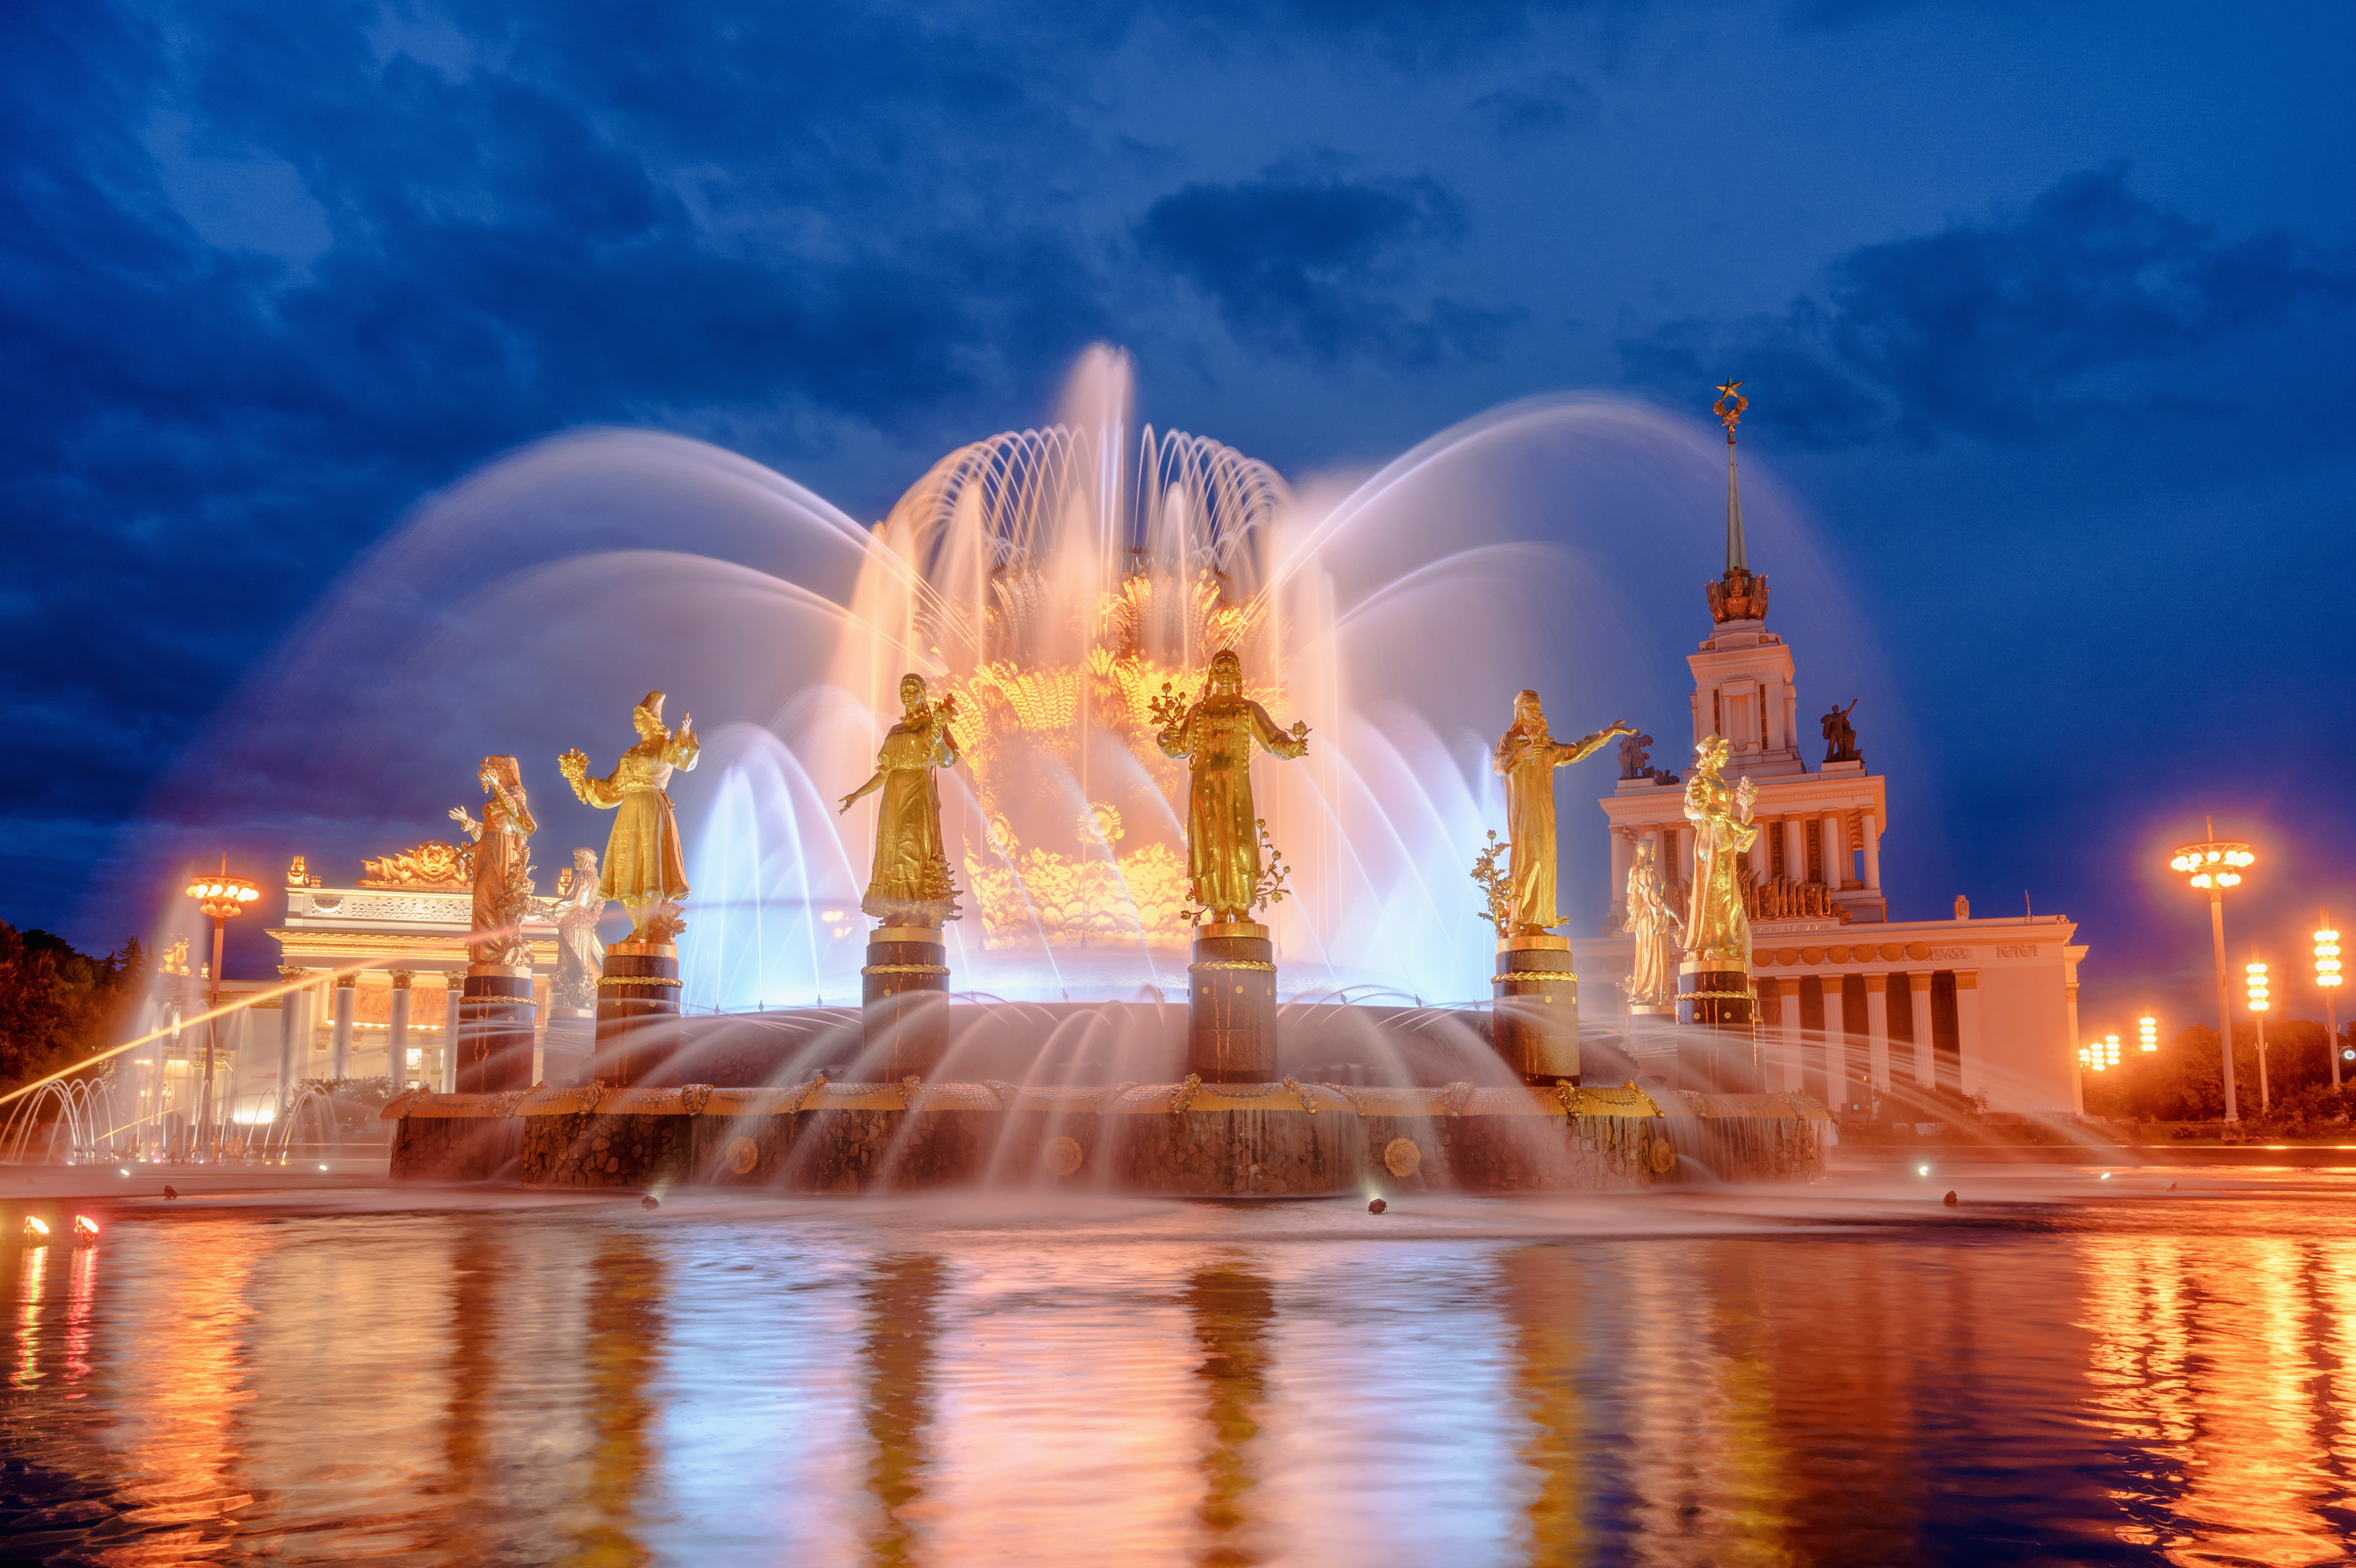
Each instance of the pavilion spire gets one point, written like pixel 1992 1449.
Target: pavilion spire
pixel 1737 594
pixel 1729 409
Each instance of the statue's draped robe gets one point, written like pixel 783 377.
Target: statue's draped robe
pixel 1527 761
pixel 1717 928
pixel 910 878
pixel 1222 831
pixel 642 857
pixel 580 955
pixel 502 880
pixel 1654 925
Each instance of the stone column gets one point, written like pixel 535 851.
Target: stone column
pixel 638 1013
pixel 1794 1042
pixel 2078 1080
pixel 1926 1048
pixel 340 1057
pixel 1839 871
pixel 1877 1030
pixel 904 994
pixel 1761 856
pixel 1796 848
pixel 1534 1008
pixel 495 1029
pixel 1970 1062
pixel 1231 1003
pixel 1835 1044
pixel 450 998
pixel 396 1037
pixel 1623 853
pixel 1869 830
pixel 292 1017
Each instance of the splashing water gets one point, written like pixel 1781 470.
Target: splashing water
pixel 1054 579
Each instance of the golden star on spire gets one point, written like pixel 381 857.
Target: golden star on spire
pixel 1730 406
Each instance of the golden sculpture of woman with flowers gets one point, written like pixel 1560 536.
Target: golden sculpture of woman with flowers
pixel 909 883
pixel 1215 734
pixel 644 871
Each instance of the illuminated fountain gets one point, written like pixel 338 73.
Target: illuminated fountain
pixel 1063 593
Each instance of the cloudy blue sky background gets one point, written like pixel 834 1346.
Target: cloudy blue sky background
pixel 2044 307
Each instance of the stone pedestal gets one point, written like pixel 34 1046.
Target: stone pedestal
pixel 1231 1004
pixel 1718 1049
pixel 495 1029
pixel 567 1045
pixel 1534 1018
pixel 638 1013
pixel 903 1002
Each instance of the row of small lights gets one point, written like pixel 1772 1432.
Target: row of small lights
pixel 2104 1053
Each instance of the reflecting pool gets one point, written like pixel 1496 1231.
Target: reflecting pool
pixel 2059 1369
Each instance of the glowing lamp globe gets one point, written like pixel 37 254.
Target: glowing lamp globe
pixel 2215 864
pixel 2256 985
pixel 2150 1027
pixel 222 896
pixel 2327 958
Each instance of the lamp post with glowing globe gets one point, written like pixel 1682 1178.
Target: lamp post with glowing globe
pixel 221 897
pixel 2327 980
pixel 2214 864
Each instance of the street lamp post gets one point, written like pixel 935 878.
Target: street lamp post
pixel 222 897
pixel 2258 1005
pixel 2327 980
pixel 2214 864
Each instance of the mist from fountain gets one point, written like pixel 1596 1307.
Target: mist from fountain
pixel 1053 578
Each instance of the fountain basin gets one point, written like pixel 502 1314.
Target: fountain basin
pixel 1285 1139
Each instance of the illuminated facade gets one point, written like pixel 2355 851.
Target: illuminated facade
pixel 1852 1004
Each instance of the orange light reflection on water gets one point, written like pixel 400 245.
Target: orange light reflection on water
pixel 898 1384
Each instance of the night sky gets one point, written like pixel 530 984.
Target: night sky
pixel 2045 308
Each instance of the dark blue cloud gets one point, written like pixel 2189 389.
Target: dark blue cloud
pixel 2007 330
pixel 1302 265
pixel 566 215
pixel 1554 101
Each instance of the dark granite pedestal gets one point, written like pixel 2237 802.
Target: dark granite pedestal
pixel 1534 1015
pixel 1231 1004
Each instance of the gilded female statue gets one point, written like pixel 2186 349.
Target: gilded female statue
pixel 1215 734
pixel 909 883
pixel 1526 756
pixel 1659 930
pixel 502 864
pixel 644 870
pixel 580 956
pixel 1718 931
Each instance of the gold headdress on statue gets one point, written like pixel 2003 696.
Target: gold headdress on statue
pixel 649 711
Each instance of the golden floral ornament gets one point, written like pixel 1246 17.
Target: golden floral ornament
pixel 431 865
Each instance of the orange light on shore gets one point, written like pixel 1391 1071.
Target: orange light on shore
pixel 36 1229
pixel 85 1228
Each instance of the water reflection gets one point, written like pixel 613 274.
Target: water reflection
pixel 1231 1307
pixel 901 1298
pixel 898 1384
pixel 625 1337
pixel 2222 1372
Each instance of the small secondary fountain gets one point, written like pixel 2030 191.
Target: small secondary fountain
pixel 1061 594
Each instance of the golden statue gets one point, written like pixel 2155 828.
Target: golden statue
pixel 1527 755
pixel 502 866
pixel 1223 836
pixel 644 870
pixel 1717 932
pixel 910 883
pixel 1659 931
pixel 580 956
